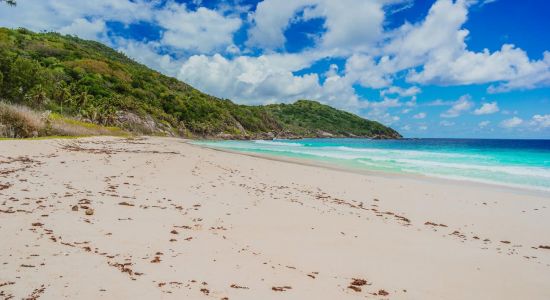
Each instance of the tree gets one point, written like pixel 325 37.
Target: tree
pixel 21 78
pixel 10 2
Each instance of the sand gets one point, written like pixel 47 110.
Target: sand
pixel 157 218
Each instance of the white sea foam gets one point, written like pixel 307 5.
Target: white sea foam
pixel 512 170
pixel 412 153
pixel 327 154
pixel 485 181
pixel 277 143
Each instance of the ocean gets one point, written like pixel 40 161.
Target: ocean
pixel 513 163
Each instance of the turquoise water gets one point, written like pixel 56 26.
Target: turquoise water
pixel 514 163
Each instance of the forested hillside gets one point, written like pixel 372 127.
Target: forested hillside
pixel 91 82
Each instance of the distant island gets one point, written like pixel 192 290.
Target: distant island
pixel 90 88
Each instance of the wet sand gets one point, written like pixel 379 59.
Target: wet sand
pixel 156 218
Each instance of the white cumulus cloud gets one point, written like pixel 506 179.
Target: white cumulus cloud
pixel 86 29
pixel 420 115
pixel 203 30
pixel 349 24
pixel 446 123
pixel 461 105
pixel 540 121
pixel 403 92
pixel 484 124
pixel 248 79
pixel 512 122
pixel 487 109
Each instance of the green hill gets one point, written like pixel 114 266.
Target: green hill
pixel 91 82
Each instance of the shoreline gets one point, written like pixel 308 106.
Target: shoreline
pixel 519 189
pixel 363 171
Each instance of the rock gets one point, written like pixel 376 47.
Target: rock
pixel 324 134
pixel 75 208
pixel 144 125
pixel 89 212
pixel 224 136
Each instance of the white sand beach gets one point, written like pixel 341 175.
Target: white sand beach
pixel 157 218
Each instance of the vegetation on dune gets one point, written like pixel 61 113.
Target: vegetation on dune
pixel 88 81
pixel 17 121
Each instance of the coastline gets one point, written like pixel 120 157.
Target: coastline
pixel 363 171
pixel 176 220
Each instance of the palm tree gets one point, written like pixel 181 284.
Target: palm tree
pixel 10 2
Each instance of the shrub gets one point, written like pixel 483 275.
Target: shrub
pixel 18 121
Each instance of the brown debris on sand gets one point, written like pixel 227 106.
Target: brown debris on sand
pixel 358 282
pixel 36 293
pixel 458 234
pixel 434 224
pixel 355 288
pixel 123 267
pixel 235 286
pixel 89 212
pixel 78 148
pixel 281 288
pixel 403 219
pixel 6 283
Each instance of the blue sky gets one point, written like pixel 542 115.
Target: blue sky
pixel 433 68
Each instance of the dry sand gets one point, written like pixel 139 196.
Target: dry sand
pixel 176 221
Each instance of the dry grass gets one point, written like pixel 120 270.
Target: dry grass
pixel 18 121
pixel 68 126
